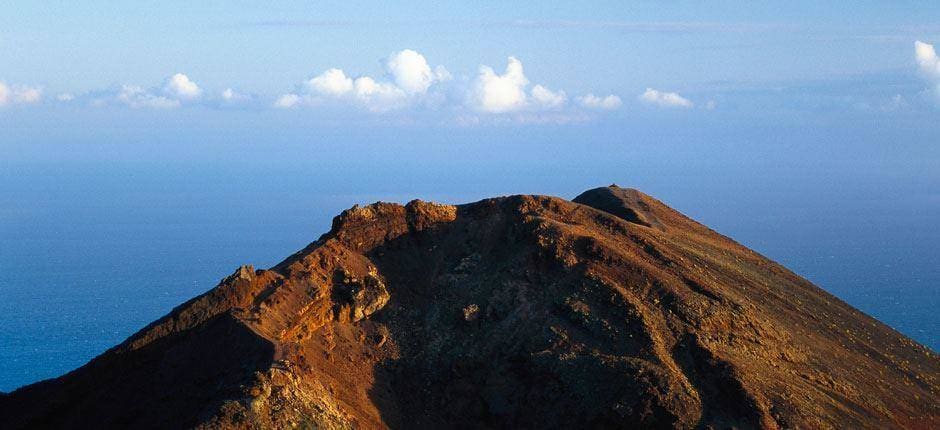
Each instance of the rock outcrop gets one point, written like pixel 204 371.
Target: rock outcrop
pixel 611 311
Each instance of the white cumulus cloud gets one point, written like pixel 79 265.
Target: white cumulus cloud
pixel 492 92
pixel 333 82
pixel 927 59
pixel 929 65
pixel 497 93
pixel 378 96
pixel 411 72
pixel 548 99
pixel 665 99
pixel 609 102
pixel 410 80
pixel 179 86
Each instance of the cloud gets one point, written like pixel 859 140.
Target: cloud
pixel 665 99
pixel 927 59
pixel 176 90
pixel 19 94
pixel 929 65
pixel 26 95
pixel 179 86
pixel 547 98
pixel 333 82
pixel 502 93
pixel 497 93
pixel 378 96
pixel 231 96
pixel 411 72
pixel 406 80
pixel 363 91
pixel 609 102
pixel 287 101
pixel 410 81
pixel 136 97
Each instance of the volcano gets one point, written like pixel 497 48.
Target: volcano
pixel 608 311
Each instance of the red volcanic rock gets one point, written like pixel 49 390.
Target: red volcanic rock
pixel 611 311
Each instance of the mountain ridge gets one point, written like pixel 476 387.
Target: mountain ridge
pixel 610 310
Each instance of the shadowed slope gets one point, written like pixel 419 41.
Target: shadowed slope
pixel 526 311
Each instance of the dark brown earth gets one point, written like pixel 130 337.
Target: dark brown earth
pixel 611 311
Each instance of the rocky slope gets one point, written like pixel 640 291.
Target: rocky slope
pixel 609 311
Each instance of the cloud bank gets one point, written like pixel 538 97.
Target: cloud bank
pixel 410 81
pixel 407 81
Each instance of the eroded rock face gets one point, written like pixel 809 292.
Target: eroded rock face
pixel 612 311
pixel 359 298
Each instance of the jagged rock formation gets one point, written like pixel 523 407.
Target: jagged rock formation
pixel 611 311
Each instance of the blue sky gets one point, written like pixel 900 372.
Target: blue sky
pixel 738 53
pixel 97 80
